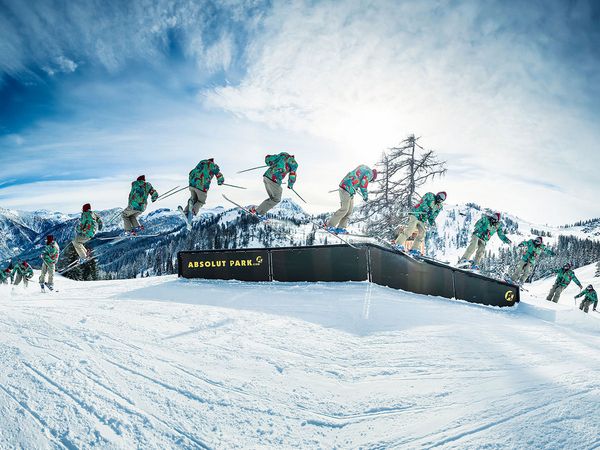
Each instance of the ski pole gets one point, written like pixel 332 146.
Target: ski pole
pixel 334 190
pixel 113 218
pixel 299 196
pixel 233 186
pixel 165 193
pixel 172 193
pixel 253 168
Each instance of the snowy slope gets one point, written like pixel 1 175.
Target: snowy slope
pixel 164 363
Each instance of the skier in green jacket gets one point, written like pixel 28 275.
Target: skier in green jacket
pixel 89 224
pixel 138 201
pixel 356 181
pixel 590 297
pixel 22 272
pixel 484 229
pixel 532 249
pixel 422 215
pixel 200 179
pixel 49 257
pixel 6 275
pixel 280 165
pixel 564 276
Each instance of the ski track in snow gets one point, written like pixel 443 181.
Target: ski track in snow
pixel 164 363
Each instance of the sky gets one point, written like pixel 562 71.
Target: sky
pixel 94 93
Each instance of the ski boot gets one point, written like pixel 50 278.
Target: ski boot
pixel 414 252
pixel 331 229
pixel 49 286
pixel 42 287
pixel 397 246
pixel 341 231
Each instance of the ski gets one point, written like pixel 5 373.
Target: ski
pixel 76 264
pixel 121 237
pixel 322 228
pixel 243 208
pixel 186 218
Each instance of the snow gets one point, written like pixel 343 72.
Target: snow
pixel 167 363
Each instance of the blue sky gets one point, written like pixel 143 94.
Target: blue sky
pixel 94 93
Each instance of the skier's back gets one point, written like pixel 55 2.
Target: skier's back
pixel 200 179
pixel 89 224
pixel 280 165
pixel 138 201
pixel 484 229
pixel 532 249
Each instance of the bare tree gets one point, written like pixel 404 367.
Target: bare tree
pixel 403 169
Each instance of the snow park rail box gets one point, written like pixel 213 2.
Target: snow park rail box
pixel 331 263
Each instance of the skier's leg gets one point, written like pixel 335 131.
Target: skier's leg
pixel 342 212
pixel 480 251
pixel 527 269
pixel 200 201
pixel 134 219
pixel 51 270
pixel 274 190
pixel 344 222
pixel 127 221
pixel 471 248
pixel 193 198
pixel 550 296
pixel 586 306
pixel 409 229
pixel 43 273
pixel 79 247
pixel 557 293
pixel 421 231
pixel 18 279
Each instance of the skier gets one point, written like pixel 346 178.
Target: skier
pixel 89 224
pixel 279 166
pixel 22 271
pixel 423 214
pixel 354 181
pixel 138 200
pixel 564 276
pixel 590 296
pixel 199 183
pixel 49 257
pixel 484 229
pixel 533 248
pixel 6 275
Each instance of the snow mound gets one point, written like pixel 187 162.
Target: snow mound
pixel 168 363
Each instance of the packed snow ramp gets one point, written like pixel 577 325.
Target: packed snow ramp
pixel 345 263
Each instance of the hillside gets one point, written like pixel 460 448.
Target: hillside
pixel 289 226
pixel 161 362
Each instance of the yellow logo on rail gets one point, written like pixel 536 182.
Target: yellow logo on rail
pixel 509 296
pixel 210 264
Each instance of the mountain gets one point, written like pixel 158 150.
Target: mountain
pixel 289 225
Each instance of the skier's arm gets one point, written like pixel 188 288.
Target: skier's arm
pixel 580 294
pixel 99 222
pixel 502 236
pixel 364 185
pixel 271 159
pixel 577 282
pixel 293 165
pixel 152 192
pixel 549 251
pixel 216 171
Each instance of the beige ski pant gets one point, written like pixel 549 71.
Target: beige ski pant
pixel 585 305
pixel 197 200
pixel 79 247
pixel 47 269
pixel 413 225
pixel 275 191
pixel 476 246
pixel 130 218
pixel 341 216
pixel 555 292
pixel 19 278
pixel 522 271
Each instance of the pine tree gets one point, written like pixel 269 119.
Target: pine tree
pixel 404 169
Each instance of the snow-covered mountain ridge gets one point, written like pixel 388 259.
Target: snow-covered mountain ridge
pixel 227 227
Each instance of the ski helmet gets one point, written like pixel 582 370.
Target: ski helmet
pixel 538 240
pixel 568 266
pixel 374 177
pixel 590 288
pixel 49 239
pixel 141 178
pixel 495 217
pixel 87 207
pixel 441 196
